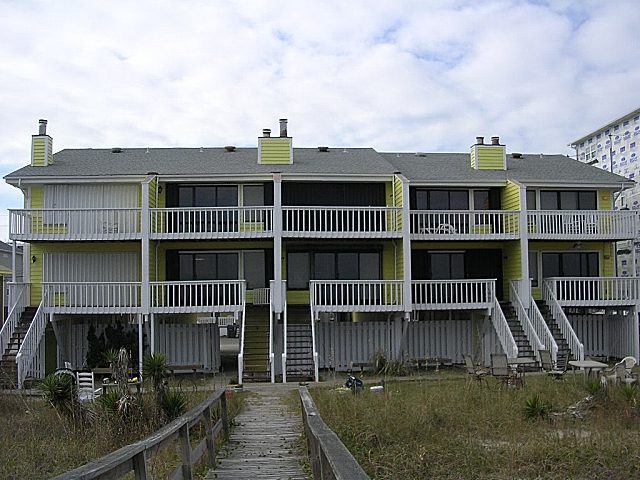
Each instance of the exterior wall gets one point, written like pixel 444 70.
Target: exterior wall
pixel 511 196
pixel 511 265
pixel 275 151
pixel 41 150
pixel 488 157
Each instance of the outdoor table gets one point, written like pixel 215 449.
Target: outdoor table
pixel 106 386
pixel 519 364
pixel 588 366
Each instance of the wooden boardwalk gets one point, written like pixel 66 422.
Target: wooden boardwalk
pixel 264 441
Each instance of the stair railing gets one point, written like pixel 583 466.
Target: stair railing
pixel 272 365
pixel 242 331
pixel 29 348
pixel 515 286
pixel 284 332
pixel 19 298
pixel 501 327
pixel 548 294
pixel 542 329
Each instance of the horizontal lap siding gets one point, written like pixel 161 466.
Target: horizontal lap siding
pixel 39 148
pixel 490 157
pixel 275 151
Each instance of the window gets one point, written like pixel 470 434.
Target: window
pixel 440 199
pixel 590 153
pixel 567 200
pixel 632 145
pixel 570 264
pixel 206 196
pixel 532 203
pixel 327 265
pixel 622 149
pixel 207 266
pixel 445 265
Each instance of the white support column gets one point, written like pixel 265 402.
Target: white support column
pixel 144 250
pixel 636 334
pixel 406 249
pixel 277 243
pixel 13 260
pixel 524 248
pixel 140 345
pixel 152 334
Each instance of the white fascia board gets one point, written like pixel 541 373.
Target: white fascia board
pixel 215 178
pixel 466 184
pixel 566 186
pixel 97 179
pixel 336 177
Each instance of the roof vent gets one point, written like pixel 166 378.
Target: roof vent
pixel 230 148
pixel 421 154
pixel 283 127
pixel 42 127
pixel 323 149
pixel 516 155
pixel 116 150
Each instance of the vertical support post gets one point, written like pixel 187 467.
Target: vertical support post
pixel 185 445
pixel 208 431
pixel 224 415
pixel 140 466
pixel 636 334
pixel 277 243
pixel 13 261
pixel 140 344
pixel 152 334
pixel 406 249
pixel 525 293
pixel 144 252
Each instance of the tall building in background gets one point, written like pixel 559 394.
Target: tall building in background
pixel 614 147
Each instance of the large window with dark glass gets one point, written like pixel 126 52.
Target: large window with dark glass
pixel 568 200
pixel 426 199
pixel 330 265
pixel 207 265
pixel 570 264
pixel 203 196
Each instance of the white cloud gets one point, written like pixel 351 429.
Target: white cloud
pixel 392 75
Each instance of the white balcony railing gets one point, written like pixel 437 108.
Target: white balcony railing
pixel 452 294
pixel 211 222
pixel 75 224
pixel 549 296
pixel 341 222
pixel 198 296
pixel 356 295
pixel 92 297
pixel 465 224
pixel 595 291
pixel 581 224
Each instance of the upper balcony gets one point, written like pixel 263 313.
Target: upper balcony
pixel 203 223
pixel 581 224
pixel 75 224
pixel 595 291
pixel 341 222
pixel 465 225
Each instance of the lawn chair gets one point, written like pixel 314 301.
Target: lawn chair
pixel 620 374
pixel 547 365
pixel 629 363
pixel 500 369
pixel 86 386
pixel 476 372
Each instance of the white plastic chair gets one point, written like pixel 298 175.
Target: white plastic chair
pixel 86 386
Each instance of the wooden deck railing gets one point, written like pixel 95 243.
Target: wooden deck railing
pixel 328 456
pixel 134 457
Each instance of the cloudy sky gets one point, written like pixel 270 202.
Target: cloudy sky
pixel 394 75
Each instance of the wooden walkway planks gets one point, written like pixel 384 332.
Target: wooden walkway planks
pixel 263 442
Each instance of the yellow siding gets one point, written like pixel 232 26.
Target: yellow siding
pixel 391 261
pixel 605 200
pixel 511 263
pixel 39 147
pixel 473 157
pixel 489 157
pixel 37 196
pixel 275 151
pixel 398 186
pixel 511 197
pixel 49 152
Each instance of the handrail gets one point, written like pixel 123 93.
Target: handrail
pixel 549 296
pixel 134 457
pixel 596 291
pixel 92 297
pixel 501 327
pixel 545 335
pixel 356 295
pixel 329 458
pixel 241 353
pixel 314 352
pixel 197 295
pixel 523 318
pixel 477 224
pixel 285 322
pixel 20 301
pixel 271 354
pixel 29 346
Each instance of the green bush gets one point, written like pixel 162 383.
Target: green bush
pixel 60 391
pixel 156 368
pixel 535 408
pixel 173 404
pixel 109 401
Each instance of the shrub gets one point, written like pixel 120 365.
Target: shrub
pixel 593 386
pixel 630 392
pixel 173 404
pixel 535 408
pixel 156 368
pixel 109 401
pixel 60 391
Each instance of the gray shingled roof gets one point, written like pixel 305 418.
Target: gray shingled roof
pixel 430 168
pixel 530 169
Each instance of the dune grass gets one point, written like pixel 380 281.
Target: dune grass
pixel 451 428
pixel 39 443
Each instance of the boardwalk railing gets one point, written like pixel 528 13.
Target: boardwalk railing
pixel 27 360
pixel 595 291
pixel 75 224
pixel 356 295
pixel 452 294
pixel 581 224
pixel 211 222
pixel 549 296
pixel 134 457
pixel 328 456
pixel 341 222
pixel 465 224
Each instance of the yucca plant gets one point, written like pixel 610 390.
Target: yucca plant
pixel 60 391
pixel 156 368
pixel 173 403
pixel 535 408
pixel 109 401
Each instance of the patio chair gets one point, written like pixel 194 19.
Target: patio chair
pixel 629 363
pixel 620 374
pixel 86 386
pixel 500 369
pixel 476 372
pixel 547 365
